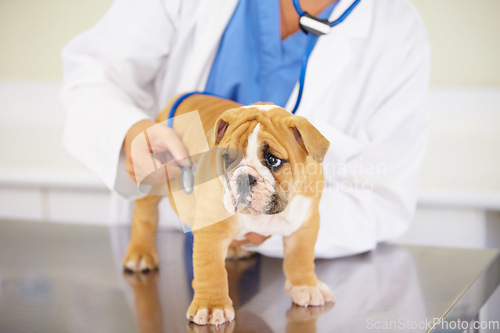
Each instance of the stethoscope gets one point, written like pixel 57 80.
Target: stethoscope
pixel 316 28
pixel 313 27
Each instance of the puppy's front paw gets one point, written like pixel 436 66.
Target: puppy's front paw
pixel 307 295
pixel 213 313
pixel 140 258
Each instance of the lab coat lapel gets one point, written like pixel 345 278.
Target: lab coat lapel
pixel 212 17
pixel 331 55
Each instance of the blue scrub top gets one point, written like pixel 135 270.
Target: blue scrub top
pixel 253 64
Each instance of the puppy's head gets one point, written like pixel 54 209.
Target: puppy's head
pixel 263 150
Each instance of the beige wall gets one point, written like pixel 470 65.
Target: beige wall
pixel 32 33
pixel 465 40
pixel 463 35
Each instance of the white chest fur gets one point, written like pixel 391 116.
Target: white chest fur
pixel 284 223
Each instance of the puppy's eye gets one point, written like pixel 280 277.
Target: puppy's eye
pixel 273 162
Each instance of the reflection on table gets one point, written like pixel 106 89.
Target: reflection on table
pixel 382 285
pixel 68 278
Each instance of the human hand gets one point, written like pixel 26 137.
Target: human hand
pixel 250 237
pixel 139 161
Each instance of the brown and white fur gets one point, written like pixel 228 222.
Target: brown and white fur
pixel 251 196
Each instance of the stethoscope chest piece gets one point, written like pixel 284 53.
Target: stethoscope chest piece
pixel 187 180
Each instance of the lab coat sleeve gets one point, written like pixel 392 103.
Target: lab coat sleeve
pixel 109 73
pixel 372 178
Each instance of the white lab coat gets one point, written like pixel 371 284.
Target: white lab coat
pixel 365 90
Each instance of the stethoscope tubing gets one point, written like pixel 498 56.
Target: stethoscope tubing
pixel 310 46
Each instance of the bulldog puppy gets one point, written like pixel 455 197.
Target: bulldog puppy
pixel 266 178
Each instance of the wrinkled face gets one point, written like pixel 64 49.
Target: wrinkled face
pixel 254 184
pixel 258 151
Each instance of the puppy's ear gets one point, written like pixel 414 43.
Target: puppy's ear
pixel 221 125
pixel 309 137
pixel 220 129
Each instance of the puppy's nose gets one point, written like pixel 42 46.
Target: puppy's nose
pixel 245 182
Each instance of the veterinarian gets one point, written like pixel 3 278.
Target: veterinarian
pixel 365 89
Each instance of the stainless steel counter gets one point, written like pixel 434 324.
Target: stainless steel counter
pixel 62 278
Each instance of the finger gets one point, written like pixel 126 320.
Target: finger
pixel 160 175
pixel 145 166
pixel 162 138
pixel 172 171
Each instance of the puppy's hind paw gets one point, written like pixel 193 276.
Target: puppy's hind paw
pixel 309 295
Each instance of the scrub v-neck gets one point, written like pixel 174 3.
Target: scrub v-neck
pixel 253 64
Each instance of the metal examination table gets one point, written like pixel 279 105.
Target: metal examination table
pixel 66 278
